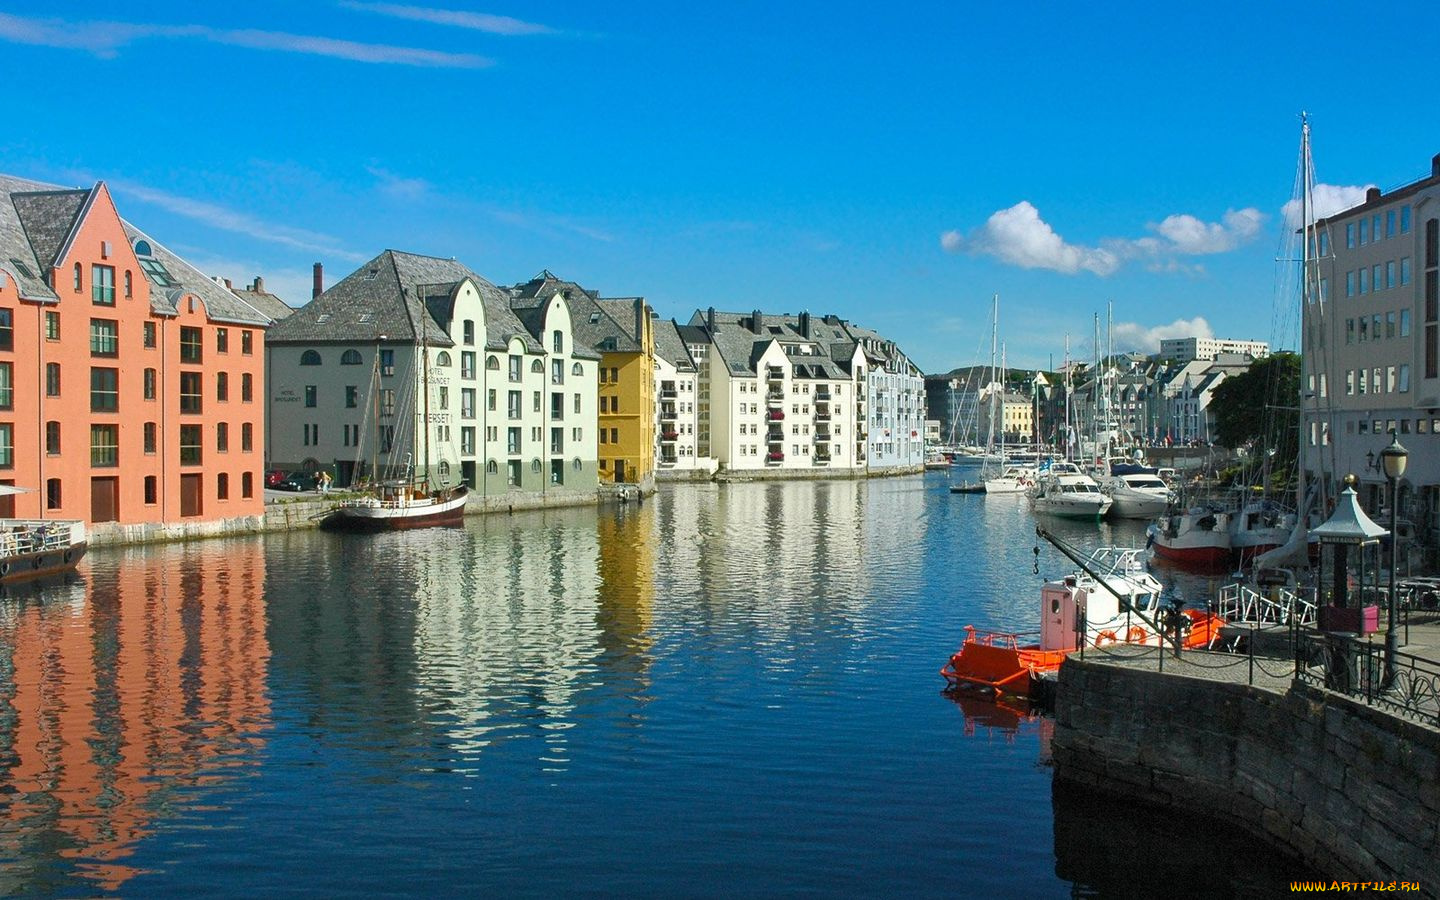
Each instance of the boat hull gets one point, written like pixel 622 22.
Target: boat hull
pixel 398 516
pixel 41 564
pixel 996 665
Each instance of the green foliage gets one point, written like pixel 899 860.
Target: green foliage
pixel 1259 409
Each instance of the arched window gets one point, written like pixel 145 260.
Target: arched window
pixel 350 357
pixel 491 468
pixel 492 363
pixel 142 248
pixel 576 464
pixel 537 366
pixel 442 359
pixel 444 468
pixel 535 465
pixel 577 369
pixel 129 285
pixel 77 278
pixel 310 358
pixel 558 337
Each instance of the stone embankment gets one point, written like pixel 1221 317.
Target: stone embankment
pixel 1351 790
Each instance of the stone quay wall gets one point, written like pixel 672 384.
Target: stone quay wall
pixel 1351 790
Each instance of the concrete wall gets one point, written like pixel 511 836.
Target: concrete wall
pixel 1353 791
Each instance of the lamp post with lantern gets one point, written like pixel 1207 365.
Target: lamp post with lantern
pixel 1393 459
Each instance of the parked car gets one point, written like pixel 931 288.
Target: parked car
pixel 297 481
pixel 274 477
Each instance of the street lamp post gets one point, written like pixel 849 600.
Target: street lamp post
pixel 1393 459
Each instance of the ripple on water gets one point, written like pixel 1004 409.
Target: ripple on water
pixel 725 689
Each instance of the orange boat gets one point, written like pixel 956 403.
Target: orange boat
pixel 1113 600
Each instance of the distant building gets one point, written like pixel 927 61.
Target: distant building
pixel 1191 348
pixel 264 301
pixel 786 392
pixel 678 390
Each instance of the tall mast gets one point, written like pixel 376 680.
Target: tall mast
pixel 994 336
pixel 1068 385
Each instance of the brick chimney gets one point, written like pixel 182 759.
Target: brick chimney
pixel 318 287
pixel 805 324
pixel 1435 165
pixel 259 286
pixel 228 285
pixel 1372 194
pixel 757 322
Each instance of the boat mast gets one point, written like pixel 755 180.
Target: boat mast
pixel 994 337
pixel 425 386
pixel 1068 385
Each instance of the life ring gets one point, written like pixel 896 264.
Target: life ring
pixel 1136 635
pixel 1104 638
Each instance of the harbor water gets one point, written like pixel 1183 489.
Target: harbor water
pixel 723 690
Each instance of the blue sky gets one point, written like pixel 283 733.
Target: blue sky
pixel 896 165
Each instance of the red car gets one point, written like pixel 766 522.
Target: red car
pixel 274 477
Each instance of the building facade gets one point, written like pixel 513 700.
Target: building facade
pixel 1372 347
pixel 1183 350
pixel 129 380
pixel 619 330
pixel 415 365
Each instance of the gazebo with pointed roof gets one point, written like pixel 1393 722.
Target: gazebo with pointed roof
pixel 1349 526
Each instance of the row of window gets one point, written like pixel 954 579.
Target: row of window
pixel 54 496
pixel 1380 326
pixel 105 387
pixel 1379 277
pixel 1378 380
pixel 1386 426
pixel 105 442
pixel 105 338
pixel 1368 229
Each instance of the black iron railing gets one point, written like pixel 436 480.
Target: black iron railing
pixel 1357 668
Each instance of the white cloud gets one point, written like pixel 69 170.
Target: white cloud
pixel 474 21
pixel 1019 237
pixel 1328 200
pixel 104 39
pixel 238 222
pixel 398 187
pixel 1133 336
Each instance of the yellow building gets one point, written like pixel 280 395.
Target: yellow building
pixel 620 330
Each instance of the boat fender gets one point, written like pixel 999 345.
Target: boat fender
pixel 35 563
pixel 1104 638
pixel 68 555
pixel 1136 635
pixel 4 569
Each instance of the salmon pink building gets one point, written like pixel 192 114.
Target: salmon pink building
pixel 130 383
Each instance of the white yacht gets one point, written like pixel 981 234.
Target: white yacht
pixel 1013 480
pixel 1137 496
pixel 1064 490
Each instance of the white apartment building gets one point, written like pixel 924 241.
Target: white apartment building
pixel 1183 350
pixel 784 393
pixel 677 393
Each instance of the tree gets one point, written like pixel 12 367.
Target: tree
pixel 1259 409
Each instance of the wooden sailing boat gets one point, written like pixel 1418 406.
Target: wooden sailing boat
pixel 411 501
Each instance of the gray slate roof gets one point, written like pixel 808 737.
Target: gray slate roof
pixel 221 304
pixel 390 296
pixel 740 345
pixel 265 302
pixel 17 255
pixel 670 344
pixel 49 217
pixel 37 220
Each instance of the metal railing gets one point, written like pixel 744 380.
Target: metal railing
pixel 1356 668
pixel 1240 604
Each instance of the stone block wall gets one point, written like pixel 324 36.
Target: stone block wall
pixel 1350 789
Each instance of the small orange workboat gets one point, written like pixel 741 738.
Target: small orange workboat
pixel 1112 600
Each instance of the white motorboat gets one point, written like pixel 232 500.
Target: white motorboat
pixel 1137 496
pixel 1064 490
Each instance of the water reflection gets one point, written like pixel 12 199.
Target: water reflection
pixel 739 682
pixel 119 695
